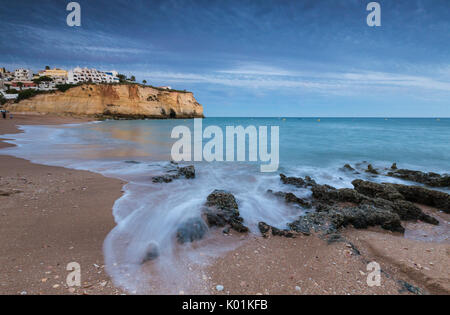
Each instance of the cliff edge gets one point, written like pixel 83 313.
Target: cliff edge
pixel 113 101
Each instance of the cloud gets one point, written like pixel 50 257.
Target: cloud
pixel 268 77
pixel 70 40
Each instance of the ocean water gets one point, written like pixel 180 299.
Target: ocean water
pixel 150 213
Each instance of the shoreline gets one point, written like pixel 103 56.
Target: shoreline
pixel 53 216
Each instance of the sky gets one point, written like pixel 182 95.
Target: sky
pixel 260 58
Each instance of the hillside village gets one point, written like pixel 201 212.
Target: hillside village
pixel 23 83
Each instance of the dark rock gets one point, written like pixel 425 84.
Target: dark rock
pixel 360 217
pixel 405 209
pixel 394 166
pixel 330 195
pixel 371 170
pixel 132 162
pixel 375 190
pixel 191 230
pixel 394 192
pixel 265 229
pixel 186 171
pixel 297 181
pixel 348 167
pixel 151 253
pixel 429 179
pixel 284 233
pixel 387 196
pixel 429 197
pixel 221 209
pixel 164 178
pixel 291 198
pixel 364 216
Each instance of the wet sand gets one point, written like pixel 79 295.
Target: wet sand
pixel 51 216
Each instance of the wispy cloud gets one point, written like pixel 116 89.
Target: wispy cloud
pixel 270 77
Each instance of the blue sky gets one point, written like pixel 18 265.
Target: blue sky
pixel 251 58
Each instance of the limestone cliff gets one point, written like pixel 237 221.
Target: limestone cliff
pixel 119 101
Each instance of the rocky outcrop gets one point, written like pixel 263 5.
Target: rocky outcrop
pixel 433 198
pixel 396 192
pixel 191 230
pixel 221 209
pixel 290 198
pixel 329 195
pixel 266 230
pixel 371 169
pixel 380 196
pixel 375 190
pixel 297 181
pixel 429 179
pixel 360 217
pixel 187 172
pixel 368 204
pixel 113 101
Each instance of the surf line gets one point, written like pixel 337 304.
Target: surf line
pixel 213 150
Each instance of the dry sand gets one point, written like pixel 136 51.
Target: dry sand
pixel 51 216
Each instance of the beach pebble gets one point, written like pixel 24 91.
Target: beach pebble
pixel 219 287
pixel 297 288
pixel 23 293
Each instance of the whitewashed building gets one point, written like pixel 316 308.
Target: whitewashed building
pixel 81 75
pixel 23 75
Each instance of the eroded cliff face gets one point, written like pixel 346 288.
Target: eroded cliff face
pixel 121 101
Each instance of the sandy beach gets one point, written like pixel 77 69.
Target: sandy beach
pixel 51 216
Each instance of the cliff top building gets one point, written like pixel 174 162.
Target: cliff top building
pixel 23 75
pixel 59 76
pixel 79 75
pixel 54 73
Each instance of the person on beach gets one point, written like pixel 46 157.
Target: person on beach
pixel 4 114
